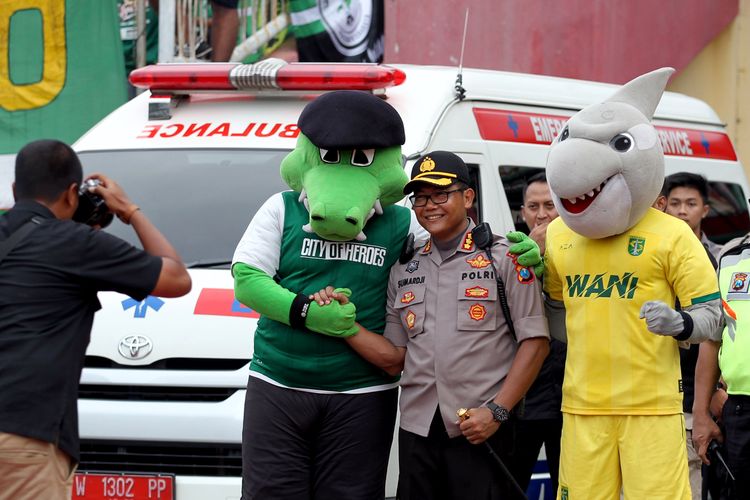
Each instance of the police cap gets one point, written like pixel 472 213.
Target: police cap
pixel 439 168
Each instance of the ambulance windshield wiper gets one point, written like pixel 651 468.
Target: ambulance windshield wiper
pixel 208 263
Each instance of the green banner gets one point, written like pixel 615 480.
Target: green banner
pixel 61 68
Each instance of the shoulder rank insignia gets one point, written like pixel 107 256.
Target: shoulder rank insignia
pixel 468 243
pixel 477 312
pixel 479 262
pixel 428 246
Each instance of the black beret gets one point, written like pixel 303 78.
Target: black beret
pixel 351 119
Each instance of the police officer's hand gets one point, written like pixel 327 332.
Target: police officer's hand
pixel 114 196
pixel 329 294
pixel 661 319
pixel 526 251
pixel 705 430
pixel 334 318
pixel 478 425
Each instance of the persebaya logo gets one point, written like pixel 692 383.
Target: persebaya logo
pixel 602 285
pixel 636 245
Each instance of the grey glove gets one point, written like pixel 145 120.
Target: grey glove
pixel 662 319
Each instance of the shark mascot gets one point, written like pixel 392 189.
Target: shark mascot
pixel 614 267
pixel 318 418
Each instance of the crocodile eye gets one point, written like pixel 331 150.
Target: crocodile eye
pixel 330 155
pixel 622 142
pixel 363 157
pixel 564 134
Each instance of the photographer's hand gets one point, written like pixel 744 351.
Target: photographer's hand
pixel 114 196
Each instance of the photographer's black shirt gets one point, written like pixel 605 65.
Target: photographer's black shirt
pixel 48 286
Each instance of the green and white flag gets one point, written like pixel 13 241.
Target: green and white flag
pixel 61 68
pixel 338 30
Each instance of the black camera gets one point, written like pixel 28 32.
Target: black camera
pixel 91 208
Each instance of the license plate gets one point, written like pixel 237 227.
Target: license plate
pixel 122 487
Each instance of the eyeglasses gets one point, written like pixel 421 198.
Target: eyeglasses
pixel 438 197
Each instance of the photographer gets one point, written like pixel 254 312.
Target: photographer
pixel 51 269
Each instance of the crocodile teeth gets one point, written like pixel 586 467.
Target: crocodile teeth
pixel 303 196
pixel 361 236
pixel 307 228
pixel 378 207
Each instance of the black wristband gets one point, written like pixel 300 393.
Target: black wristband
pixel 298 311
pixel 687 330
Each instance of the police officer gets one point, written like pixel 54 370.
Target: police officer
pixel 446 328
pixel 728 359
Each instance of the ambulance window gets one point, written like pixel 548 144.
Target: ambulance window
pixel 202 200
pixel 475 212
pixel 514 181
pixel 728 217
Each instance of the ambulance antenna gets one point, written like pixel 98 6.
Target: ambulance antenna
pixel 460 90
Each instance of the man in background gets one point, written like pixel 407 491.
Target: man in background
pixel 540 421
pixel 686 196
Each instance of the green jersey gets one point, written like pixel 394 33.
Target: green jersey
pixel 305 263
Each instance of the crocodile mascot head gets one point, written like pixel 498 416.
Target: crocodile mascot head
pixel 347 163
pixel 606 167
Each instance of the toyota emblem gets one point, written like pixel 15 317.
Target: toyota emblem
pixel 135 346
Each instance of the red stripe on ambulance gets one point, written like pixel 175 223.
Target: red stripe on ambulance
pixel 221 302
pixel 536 128
pixel 226 129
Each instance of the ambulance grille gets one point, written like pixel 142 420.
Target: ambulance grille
pixel 218 364
pixel 155 393
pixel 163 458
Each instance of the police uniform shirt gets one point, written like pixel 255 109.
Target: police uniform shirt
pixel 48 286
pixel 447 314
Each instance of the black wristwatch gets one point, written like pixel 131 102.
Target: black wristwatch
pixel 499 413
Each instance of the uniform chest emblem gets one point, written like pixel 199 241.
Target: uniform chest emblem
pixel 408 297
pixel 479 262
pixel 477 312
pixel 739 283
pixel 411 319
pixel 477 291
pixel 636 245
pixel 524 275
pixel 412 266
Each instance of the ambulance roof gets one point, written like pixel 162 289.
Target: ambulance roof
pixel 242 120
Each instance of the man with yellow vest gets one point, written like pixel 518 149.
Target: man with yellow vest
pixel 729 359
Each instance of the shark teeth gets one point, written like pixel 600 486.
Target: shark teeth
pixel 590 194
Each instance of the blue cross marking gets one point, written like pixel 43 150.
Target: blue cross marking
pixel 141 307
pixel 513 125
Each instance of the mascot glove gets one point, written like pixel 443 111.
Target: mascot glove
pixel 334 319
pixel 526 251
pixel 662 319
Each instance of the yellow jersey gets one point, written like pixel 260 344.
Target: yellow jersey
pixel 615 366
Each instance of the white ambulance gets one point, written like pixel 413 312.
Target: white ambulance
pixel 162 391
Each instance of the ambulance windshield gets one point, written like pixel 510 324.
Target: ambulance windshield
pixel 202 200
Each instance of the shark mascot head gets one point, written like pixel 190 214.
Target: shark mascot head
pixel 606 167
pixel 347 163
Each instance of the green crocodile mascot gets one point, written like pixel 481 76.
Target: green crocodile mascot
pixel 318 418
